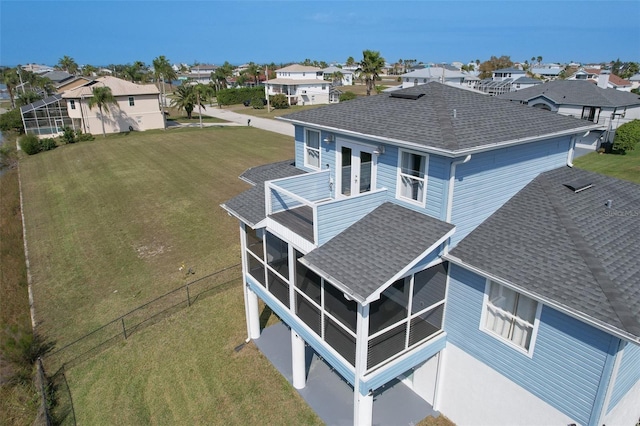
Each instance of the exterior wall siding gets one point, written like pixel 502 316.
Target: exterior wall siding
pixel 491 178
pixel 336 216
pixel 550 374
pixel 628 374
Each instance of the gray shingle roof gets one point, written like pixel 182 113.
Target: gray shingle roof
pixel 574 92
pixel 481 120
pixel 567 247
pixel 249 205
pixel 370 252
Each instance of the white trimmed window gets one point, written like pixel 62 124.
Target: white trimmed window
pixel 72 104
pixel 412 181
pixel 132 101
pixel 312 149
pixel 510 315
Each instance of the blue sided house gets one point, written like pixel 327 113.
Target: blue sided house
pixel 440 238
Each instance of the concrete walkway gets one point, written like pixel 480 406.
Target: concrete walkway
pixel 276 126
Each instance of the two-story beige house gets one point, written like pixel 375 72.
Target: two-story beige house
pixel 137 107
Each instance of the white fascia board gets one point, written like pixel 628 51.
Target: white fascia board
pixel 546 301
pixel 444 152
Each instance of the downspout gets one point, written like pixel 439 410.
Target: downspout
pixel 452 178
pixel 572 149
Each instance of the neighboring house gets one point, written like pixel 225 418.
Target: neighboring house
pixel 137 107
pixel 602 78
pixel 37 68
pixel 347 76
pixel 72 83
pixel 506 80
pixel 608 108
pixel 548 72
pixel 635 81
pixel 302 85
pixel 427 75
pixel 201 73
pixel 351 246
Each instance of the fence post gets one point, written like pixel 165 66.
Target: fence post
pixel 188 297
pixel 124 329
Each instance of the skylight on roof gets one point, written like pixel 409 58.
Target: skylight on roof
pixel 412 96
pixel 579 185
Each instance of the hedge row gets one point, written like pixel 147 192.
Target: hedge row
pixel 238 96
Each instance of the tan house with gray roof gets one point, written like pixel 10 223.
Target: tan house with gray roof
pixel 137 107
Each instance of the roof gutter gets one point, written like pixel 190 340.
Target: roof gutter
pixel 549 302
pixel 440 151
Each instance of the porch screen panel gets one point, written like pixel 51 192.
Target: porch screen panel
pixel 426 324
pixel 308 313
pixel 308 282
pixel 386 345
pixel 256 269
pixel 344 310
pixel 390 308
pixel 340 340
pixel 254 242
pixel 278 255
pixel 428 288
pixel 279 288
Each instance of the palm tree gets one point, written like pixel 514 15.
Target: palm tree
pixel 336 78
pixel 202 95
pixel 102 98
pixel 186 98
pixel 539 58
pixel 253 71
pixel 350 61
pixel 370 68
pixel 89 70
pixel 220 75
pixel 67 64
pixel 162 71
pixel 10 78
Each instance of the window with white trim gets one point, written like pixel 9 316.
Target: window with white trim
pixel 132 101
pixel 510 315
pixel 312 149
pixel 412 181
pixel 72 104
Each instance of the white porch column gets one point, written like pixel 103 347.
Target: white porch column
pixel 298 364
pixel 253 314
pixel 362 404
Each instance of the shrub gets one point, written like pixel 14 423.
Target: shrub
pixel 627 137
pixel 83 137
pixel 347 96
pixel 48 144
pixel 30 144
pixel 11 120
pixel 279 101
pixel 68 135
pixel 257 103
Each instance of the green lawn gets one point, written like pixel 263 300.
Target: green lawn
pixel 262 113
pixel 625 167
pixel 109 223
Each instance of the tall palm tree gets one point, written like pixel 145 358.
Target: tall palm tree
pixel 220 75
pixel 350 61
pixel 370 68
pixel 202 96
pixel 67 64
pixel 336 78
pixel 162 71
pixel 253 71
pixel 102 98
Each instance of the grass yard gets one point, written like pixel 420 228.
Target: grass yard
pixel 262 113
pixel 109 222
pixel 625 167
pixel 181 116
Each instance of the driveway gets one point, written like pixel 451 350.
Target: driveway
pixel 242 119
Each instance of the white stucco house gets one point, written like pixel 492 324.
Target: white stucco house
pixel 303 85
pixel 347 76
pixel 427 75
pixel 137 107
pixel 602 78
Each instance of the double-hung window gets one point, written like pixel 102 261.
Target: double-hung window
pixel 132 101
pixel 412 181
pixel 511 316
pixel 72 104
pixel 312 149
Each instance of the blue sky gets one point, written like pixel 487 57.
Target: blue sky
pixel 119 32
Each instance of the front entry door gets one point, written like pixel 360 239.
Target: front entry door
pixel 357 169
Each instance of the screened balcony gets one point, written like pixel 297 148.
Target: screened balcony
pixel 306 206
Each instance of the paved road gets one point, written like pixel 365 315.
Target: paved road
pixel 276 126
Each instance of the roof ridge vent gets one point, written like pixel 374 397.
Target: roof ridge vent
pixel 579 185
pixel 412 96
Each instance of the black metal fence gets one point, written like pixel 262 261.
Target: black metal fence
pixel 147 314
pixel 56 402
